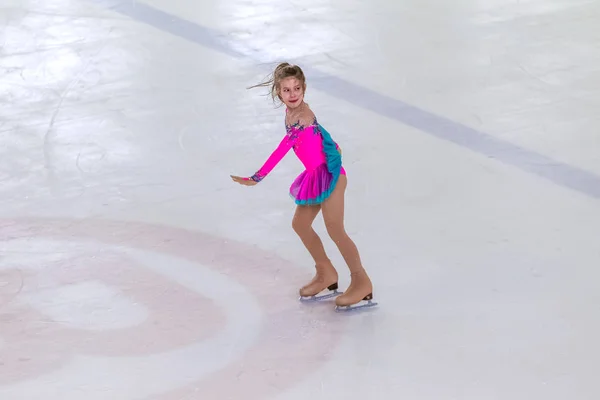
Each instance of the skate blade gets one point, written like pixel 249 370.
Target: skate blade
pixel 363 304
pixel 317 297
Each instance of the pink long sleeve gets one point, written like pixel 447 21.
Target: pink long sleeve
pixel 284 146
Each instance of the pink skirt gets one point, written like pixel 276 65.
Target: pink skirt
pixel 314 187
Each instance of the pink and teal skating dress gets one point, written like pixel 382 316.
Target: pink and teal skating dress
pixel 319 154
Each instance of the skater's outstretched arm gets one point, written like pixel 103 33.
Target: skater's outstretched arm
pixel 276 156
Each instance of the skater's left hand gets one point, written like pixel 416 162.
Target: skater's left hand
pixel 243 181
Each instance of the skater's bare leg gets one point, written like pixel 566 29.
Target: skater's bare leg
pixel 333 215
pixel 326 274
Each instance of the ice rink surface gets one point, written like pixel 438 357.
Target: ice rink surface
pixel 133 268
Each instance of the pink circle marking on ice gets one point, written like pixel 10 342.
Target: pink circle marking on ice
pixel 293 342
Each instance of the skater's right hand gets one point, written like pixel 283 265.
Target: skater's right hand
pixel 243 181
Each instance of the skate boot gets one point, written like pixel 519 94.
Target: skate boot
pixel 358 295
pixel 325 279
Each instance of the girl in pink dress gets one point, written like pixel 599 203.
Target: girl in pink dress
pixel 320 187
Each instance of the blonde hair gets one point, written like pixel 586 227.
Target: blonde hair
pixel 282 71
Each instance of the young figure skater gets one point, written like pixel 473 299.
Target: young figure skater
pixel 320 187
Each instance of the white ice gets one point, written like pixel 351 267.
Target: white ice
pixel 132 267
